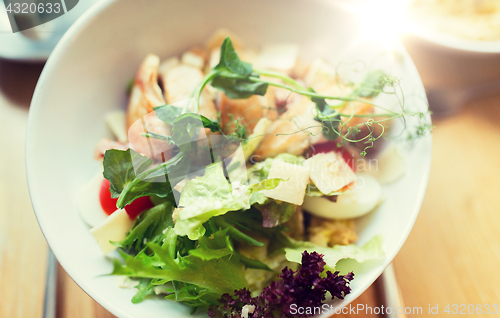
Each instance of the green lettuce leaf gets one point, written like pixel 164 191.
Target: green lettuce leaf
pixel 217 276
pixel 216 246
pixel 132 176
pixel 233 231
pixel 192 295
pixel 260 170
pixel 212 195
pixel 370 251
pixel 205 197
pixel 219 245
pixel 251 221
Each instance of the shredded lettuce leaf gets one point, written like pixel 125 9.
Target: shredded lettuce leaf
pixel 370 251
pixel 149 226
pixel 216 246
pixel 212 195
pixel 260 170
pixel 216 276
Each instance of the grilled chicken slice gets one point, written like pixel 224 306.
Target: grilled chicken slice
pixel 146 93
pixel 179 82
pixel 292 132
pixel 246 112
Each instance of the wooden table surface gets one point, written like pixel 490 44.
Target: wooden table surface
pixel 451 257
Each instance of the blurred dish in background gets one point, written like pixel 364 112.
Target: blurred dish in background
pixel 471 19
pixel 36 44
pixel 455 45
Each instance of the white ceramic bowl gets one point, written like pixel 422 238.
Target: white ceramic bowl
pixel 86 75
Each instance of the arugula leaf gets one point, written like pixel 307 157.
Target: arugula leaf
pixel 239 88
pixel 260 170
pixel 251 220
pixel 168 113
pixel 143 290
pixel 253 263
pixel 216 276
pixel 185 128
pixel 229 60
pixel 121 168
pixel 236 234
pixel 149 226
pixel 216 246
pixel 171 114
pixel 213 125
pixel 192 295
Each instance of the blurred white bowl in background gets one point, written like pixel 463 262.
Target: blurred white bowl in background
pixel 453 69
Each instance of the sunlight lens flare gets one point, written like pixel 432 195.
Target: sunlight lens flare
pixel 383 20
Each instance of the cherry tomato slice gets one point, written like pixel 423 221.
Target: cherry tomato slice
pixel 348 157
pixel 108 204
pixel 133 209
pixel 137 206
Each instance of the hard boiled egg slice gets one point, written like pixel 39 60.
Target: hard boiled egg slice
pixel 114 228
pixel 88 202
pixel 362 198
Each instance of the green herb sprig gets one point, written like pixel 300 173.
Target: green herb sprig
pixel 237 79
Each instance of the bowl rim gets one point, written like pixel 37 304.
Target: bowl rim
pixel 61 49
pixel 454 42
